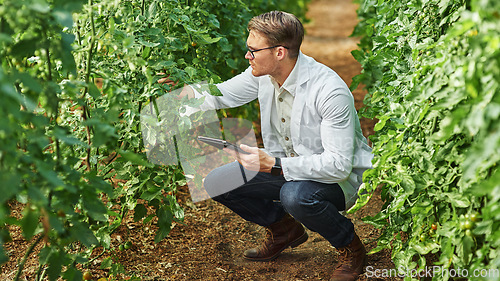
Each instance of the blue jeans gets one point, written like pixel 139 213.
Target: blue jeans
pixel 265 199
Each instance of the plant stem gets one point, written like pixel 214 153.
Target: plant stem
pixel 78 36
pixel 26 255
pixel 139 110
pixel 39 273
pixel 122 146
pixel 86 113
pixel 436 217
pixel 49 64
pixel 96 257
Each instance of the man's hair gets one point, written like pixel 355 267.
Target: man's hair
pixel 280 28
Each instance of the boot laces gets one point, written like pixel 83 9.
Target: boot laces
pixel 344 259
pixel 268 240
pixel 269 235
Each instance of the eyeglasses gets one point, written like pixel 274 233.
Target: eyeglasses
pixel 253 51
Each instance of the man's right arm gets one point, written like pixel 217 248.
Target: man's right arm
pixel 237 91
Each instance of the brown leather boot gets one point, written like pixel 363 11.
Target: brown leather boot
pixel 280 235
pixel 352 260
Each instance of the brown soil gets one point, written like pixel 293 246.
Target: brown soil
pixel 210 243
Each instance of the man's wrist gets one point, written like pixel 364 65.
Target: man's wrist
pixel 276 170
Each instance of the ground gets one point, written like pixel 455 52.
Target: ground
pixel 210 243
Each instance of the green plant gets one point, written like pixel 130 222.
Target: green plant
pixel 432 71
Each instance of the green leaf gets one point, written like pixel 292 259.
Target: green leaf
pixel 10 186
pixel 467 247
pixel 135 158
pixel 68 61
pixel 231 63
pixel 63 17
pixel 3 257
pixel 26 47
pixel 148 44
pixel 51 176
pixel 82 233
pixel 209 40
pixel 94 206
pixel 212 20
pixel 106 263
pixel 94 91
pixel 128 42
pixel 116 269
pixel 104 237
pixel 40 6
pixel 146 52
pixel 173 43
pixel 379 220
pixel 62 135
pixel 425 248
pixel 457 199
pixel 29 223
pixel 358 55
pixel 152 193
pixel 140 212
pixel 191 71
pixel 381 123
pixel 164 223
pixel 29 82
pixel 72 274
pixel 55 261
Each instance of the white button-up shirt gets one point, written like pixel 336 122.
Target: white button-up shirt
pixel 281 111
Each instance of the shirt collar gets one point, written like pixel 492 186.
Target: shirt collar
pixel 291 81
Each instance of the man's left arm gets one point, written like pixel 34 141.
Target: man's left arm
pixel 337 137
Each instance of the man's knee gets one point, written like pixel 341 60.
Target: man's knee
pixel 294 197
pixel 223 179
pixel 212 182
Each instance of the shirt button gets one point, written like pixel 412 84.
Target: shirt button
pixel 280 99
pixel 292 154
pixel 286 138
pixel 283 120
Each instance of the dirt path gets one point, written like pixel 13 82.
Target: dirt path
pixel 210 244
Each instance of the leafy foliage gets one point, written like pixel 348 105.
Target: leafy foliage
pixel 74 77
pixel 432 71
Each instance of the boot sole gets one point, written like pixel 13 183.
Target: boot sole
pixel 303 238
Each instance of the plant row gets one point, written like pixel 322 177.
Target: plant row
pixel 432 73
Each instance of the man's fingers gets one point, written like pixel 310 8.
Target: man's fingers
pixel 230 151
pixel 165 80
pixel 249 149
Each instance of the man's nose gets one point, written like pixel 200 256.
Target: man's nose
pixel 248 55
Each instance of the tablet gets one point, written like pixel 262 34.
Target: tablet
pixel 220 144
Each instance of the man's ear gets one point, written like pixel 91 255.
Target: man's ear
pixel 281 53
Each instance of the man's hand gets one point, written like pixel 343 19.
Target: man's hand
pixel 186 90
pixel 166 80
pixel 256 160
